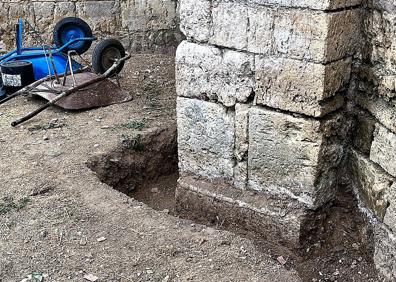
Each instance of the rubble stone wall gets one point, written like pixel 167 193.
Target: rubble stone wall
pixel 147 25
pixel 279 99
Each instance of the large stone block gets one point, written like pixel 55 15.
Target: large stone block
pixel 312 4
pixel 383 149
pixel 299 86
pixel 384 251
pixel 364 131
pixel 344 34
pixel 208 72
pixel 64 9
pixel 316 36
pixel 260 30
pixel 195 19
pixel 103 16
pixel 381 28
pixel 390 215
pixel 44 15
pixel 241 27
pixel 385 5
pixel 230 25
pixel 206 138
pixel 148 15
pixel 371 183
pixel 294 157
pixel 382 110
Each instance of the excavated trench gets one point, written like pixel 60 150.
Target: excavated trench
pixel 337 240
pixel 144 167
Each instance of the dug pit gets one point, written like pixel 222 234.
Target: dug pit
pixel 337 242
pixel 144 167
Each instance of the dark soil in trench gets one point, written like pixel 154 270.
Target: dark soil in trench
pixel 337 244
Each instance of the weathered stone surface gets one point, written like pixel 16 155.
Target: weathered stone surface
pixel 230 25
pixel 242 27
pixel 149 15
pixel 381 28
pixel 382 110
pixel 9 13
pixel 195 19
pixel 385 250
pixel 371 183
pixel 364 131
pixel 259 30
pixel 299 86
pixel 344 34
pixel 390 215
pixel 312 4
pixel 387 86
pixel 103 16
pixel 142 25
pixel 383 149
pixel 386 5
pixel 241 131
pixel 240 178
pixel 208 72
pixel 206 138
pixel 241 145
pixel 315 36
pixel 293 157
pixel 277 219
pixel 302 39
pixel 319 37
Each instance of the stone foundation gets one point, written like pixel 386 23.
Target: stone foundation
pixel 149 25
pixel 261 89
pixel 277 101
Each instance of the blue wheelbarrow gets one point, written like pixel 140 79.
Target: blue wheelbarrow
pixel 59 73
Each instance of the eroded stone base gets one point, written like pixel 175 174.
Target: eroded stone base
pixel 216 201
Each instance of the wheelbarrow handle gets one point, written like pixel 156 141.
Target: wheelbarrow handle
pixel 29 116
pixel 16 94
pixel 71 90
pixel 26 89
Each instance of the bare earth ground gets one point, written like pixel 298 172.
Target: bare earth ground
pixel 59 221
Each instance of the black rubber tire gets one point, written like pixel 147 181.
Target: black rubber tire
pixel 17 74
pixel 104 54
pixel 2 89
pixel 67 23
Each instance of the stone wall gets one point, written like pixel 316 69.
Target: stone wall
pixel 147 25
pixel 261 89
pixel 372 156
pixel 276 101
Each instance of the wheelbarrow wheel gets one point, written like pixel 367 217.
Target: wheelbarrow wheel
pixel 105 54
pixel 70 28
